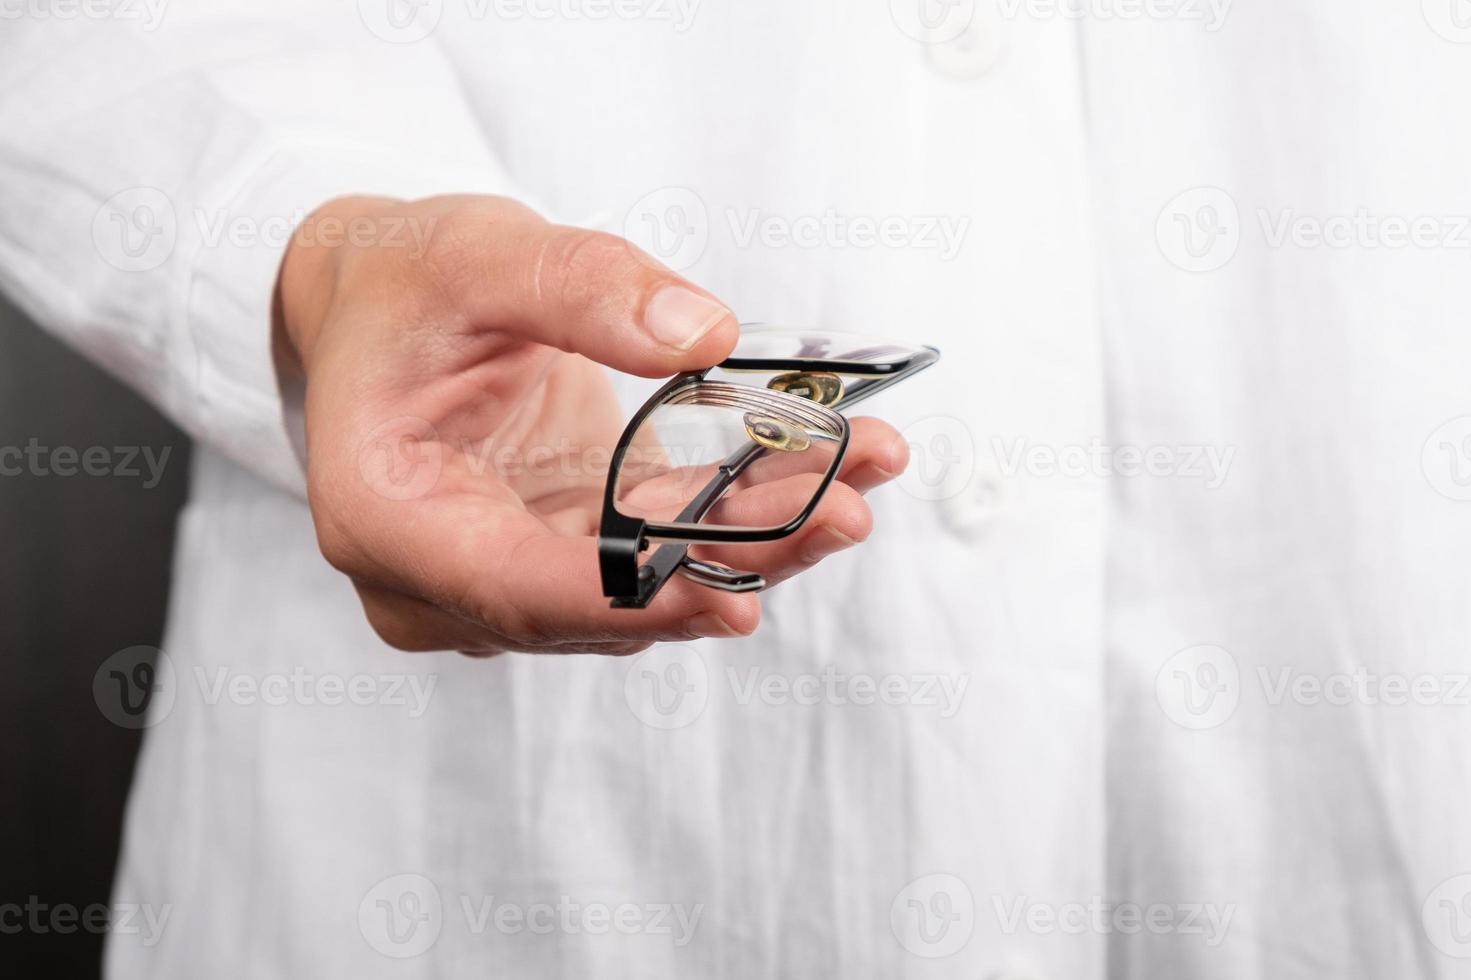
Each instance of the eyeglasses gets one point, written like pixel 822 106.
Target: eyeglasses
pixel 709 461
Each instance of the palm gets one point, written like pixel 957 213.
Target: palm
pixel 533 430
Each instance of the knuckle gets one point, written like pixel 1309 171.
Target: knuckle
pixel 450 247
pixel 456 231
pixel 513 628
pixel 577 267
pixel 520 631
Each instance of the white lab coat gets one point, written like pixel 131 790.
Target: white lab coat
pixel 1056 718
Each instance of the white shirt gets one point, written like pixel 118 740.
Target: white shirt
pixel 1155 665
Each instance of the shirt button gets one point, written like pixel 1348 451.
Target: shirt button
pixel 971 511
pixel 975 50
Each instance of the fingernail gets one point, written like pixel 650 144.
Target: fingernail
pixel 711 625
pixel 823 542
pixel 679 317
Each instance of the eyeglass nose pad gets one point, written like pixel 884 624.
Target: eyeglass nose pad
pixel 720 577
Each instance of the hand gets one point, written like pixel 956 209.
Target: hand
pixel 459 424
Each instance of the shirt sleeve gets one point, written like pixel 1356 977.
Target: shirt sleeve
pixel 155 161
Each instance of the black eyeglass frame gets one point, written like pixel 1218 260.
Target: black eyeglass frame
pixel 623 538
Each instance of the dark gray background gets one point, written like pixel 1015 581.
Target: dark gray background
pixel 84 574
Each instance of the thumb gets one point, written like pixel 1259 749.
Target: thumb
pixel 585 292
